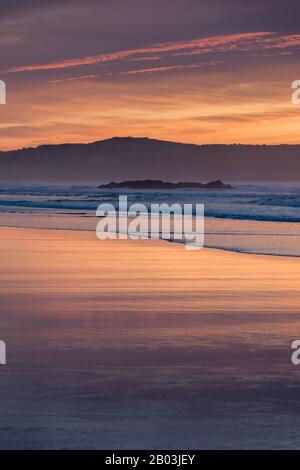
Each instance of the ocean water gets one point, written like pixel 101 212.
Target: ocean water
pixel 144 345
pixel 262 219
pixel 141 345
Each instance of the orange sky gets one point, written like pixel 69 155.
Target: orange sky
pixel 213 88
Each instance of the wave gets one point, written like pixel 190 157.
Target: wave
pixel 273 203
pixel 278 200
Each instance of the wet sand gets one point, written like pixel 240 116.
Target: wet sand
pixel 131 345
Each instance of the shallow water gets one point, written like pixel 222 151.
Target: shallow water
pixel 122 345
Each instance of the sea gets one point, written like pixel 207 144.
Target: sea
pixel 250 218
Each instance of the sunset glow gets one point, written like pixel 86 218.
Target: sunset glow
pixel 197 83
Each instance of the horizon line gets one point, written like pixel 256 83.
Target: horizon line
pixel 145 138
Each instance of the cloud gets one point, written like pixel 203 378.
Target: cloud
pixel 72 79
pixel 145 58
pixel 223 43
pixel 114 57
pixel 169 68
pixel 215 44
pixel 12 7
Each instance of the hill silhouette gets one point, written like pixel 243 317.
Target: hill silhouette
pixel 120 159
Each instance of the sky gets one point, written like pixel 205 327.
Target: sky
pixel 199 71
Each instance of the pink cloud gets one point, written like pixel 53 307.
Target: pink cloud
pixel 145 58
pixel 153 70
pixel 225 43
pixel 71 79
pixel 168 68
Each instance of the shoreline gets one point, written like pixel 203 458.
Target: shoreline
pixel 171 242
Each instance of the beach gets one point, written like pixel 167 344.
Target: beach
pixel 143 344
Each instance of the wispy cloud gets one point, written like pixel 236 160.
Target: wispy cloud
pixel 72 79
pixel 225 43
pixel 169 68
pixel 145 58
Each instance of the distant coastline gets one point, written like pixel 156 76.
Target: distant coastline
pixel 137 159
pixel 158 184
